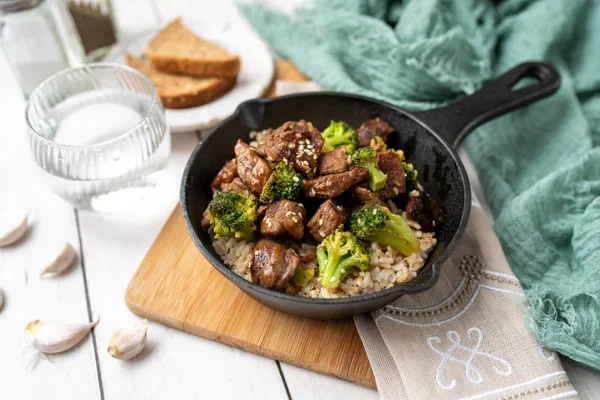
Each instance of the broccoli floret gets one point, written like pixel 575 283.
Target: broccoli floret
pixel 411 177
pixel 283 184
pixel 339 134
pixel 338 255
pixel 367 157
pixel 380 225
pixel 233 215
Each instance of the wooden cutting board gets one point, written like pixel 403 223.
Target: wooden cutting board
pixel 176 286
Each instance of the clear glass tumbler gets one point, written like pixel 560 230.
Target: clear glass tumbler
pixel 99 134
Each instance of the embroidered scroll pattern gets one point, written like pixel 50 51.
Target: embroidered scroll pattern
pixel 475 356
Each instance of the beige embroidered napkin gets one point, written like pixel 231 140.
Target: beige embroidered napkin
pixel 465 338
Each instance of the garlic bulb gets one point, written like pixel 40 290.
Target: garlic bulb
pixel 128 343
pixel 61 262
pixel 53 338
pixel 14 232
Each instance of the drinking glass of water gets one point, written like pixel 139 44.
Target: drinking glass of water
pixel 99 134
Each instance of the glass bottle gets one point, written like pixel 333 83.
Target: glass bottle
pixel 31 41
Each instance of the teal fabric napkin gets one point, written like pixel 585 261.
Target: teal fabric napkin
pixel 539 166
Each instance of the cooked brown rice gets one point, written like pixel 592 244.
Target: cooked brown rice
pixel 388 267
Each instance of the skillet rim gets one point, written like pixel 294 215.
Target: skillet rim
pixel 397 290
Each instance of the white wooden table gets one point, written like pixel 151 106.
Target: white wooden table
pixel 174 365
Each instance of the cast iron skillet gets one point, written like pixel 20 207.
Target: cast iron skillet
pixel 427 138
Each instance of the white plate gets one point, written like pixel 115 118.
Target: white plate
pixel 254 78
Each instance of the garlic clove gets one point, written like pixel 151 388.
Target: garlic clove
pixel 129 342
pixel 15 231
pixel 53 338
pixel 61 262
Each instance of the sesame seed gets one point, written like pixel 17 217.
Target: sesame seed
pixel 321 222
pixel 296 179
pixel 322 234
pixel 294 219
pixel 256 252
pixel 343 271
pixel 300 148
pixel 375 212
pixel 332 279
pixel 301 205
pixel 292 145
pixel 288 213
pixel 414 193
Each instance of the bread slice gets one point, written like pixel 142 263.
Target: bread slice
pixel 178 50
pixel 177 91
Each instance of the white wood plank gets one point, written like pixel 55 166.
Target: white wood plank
pixel 308 385
pixel 72 374
pixel 585 381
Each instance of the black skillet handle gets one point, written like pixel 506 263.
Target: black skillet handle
pixel 495 98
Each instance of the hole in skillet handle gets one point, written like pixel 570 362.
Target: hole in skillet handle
pixel 496 97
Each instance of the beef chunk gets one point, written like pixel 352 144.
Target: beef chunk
pixel 390 163
pixel 205 222
pixel 301 125
pixel 361 194
pixel 334 162
pixel 273 265
pixel 252 169
pixel 297 142
pixel 425 211
pixel 236 185
pixel 227 173
pixel 329 186
pixel 371 128
pixel 328 218
pixel 284 219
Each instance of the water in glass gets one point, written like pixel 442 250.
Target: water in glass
pixel 101 148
